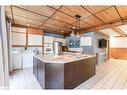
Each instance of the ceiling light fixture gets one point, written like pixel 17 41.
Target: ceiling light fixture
pixel 27 24
pixel 62 31
pixel 76 30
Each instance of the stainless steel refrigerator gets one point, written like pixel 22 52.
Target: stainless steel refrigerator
pixel 57 47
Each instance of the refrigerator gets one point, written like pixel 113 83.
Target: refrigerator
pixel 57 47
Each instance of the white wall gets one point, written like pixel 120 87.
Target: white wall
pixel 1 66
pixel 119 42
pixel 4 48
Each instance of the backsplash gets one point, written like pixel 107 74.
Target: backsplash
pixel 73 42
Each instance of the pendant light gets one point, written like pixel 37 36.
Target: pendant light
pixel 72 33
pixel 77 28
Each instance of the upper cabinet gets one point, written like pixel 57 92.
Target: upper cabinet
pixel 48 39
pixel 18 39
pixel 34 39
pixel 60 40
pixel 30 37
pixel 18 36
pixel 86 41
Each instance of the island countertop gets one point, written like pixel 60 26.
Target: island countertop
pixel 62 58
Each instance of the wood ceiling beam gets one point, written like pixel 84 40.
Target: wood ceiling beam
pixel 12 15
pixel 69 16
pixel 26 17
pixel 118 12
pixel 40 14
pixel 113 24
pixel 24 26
pixel 45 30
pixel 119 31
pixel 36 20
pixel 93 14
pixel 61 11
pixel 50 16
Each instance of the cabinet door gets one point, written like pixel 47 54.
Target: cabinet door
pixel 41 73
pixel 18 39
pixel 48 39
pixel 90 67
pixel 73 74
pixel 35 67
pixel 34 39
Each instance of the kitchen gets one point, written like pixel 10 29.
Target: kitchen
pixel 48 52
pixel 25 57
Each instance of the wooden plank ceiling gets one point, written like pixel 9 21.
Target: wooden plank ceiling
pixel 57 18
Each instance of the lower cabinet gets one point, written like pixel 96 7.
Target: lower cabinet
pixel 75 73
pixel 63 76
pixel 35 67
pixel 39 71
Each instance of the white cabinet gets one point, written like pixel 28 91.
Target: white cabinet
pixel 28 60
pixel 48 39
pixel 18 38
pixel 86 41
pixel 17 60
pixel 34 39
pixel 60 40
pixel 17 29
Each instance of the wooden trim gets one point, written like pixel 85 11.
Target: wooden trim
pixel 118 12
pixel 24 26
pixel 26 37
pixel 60 11
pixel 12 14
pixel 18 32
pixel 27 46
pixel 18 45
pixel 42 44
pixel 118 53
pixel 35 45
pixel 35 31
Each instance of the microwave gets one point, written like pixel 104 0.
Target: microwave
pixel 48 48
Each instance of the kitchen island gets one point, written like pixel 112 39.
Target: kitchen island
pixel 65 71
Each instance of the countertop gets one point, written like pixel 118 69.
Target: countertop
pixel 62 58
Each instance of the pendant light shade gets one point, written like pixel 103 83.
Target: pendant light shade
pixel 78 34
pixel 72 33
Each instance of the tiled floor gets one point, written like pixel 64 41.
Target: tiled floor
pixel 110 75
pixel 23 79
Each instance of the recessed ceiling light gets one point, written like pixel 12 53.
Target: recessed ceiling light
pixel 62 31
pixel 27 24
